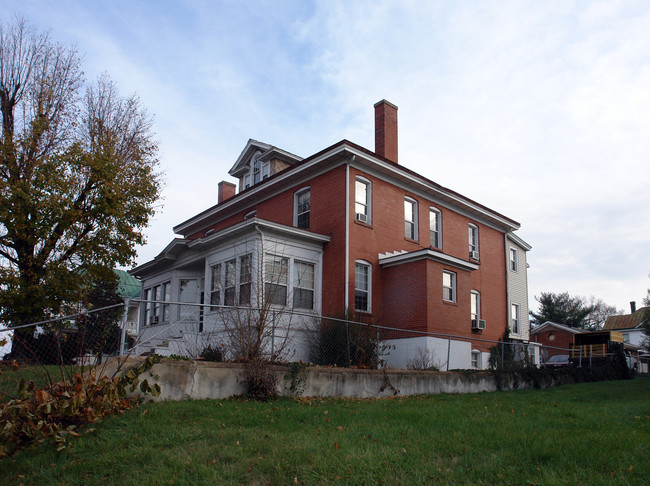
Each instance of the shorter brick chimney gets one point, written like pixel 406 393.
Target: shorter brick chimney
pixel 226 191
pixel 386 130
pixel 633 306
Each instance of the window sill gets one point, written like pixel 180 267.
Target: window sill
pixel 449 302
pixel 361 223
pixel 410 240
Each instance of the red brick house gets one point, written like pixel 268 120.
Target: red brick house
pixel 554 338
pixel 346 230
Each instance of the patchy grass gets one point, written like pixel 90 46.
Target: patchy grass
pixel 591 433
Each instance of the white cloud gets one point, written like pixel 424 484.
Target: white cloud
pixel 535 109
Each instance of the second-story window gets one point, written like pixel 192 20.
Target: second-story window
pixel 362 198
pixel 448 286
pixel 301 208
pixel 514 262
pixel 435 227
pixel 473 241
pixel 410 218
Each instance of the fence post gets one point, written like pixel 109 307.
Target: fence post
pixel 273 334
pixel 125 318
pixel 503 344
pixel 448 352
pixel 347 331
pixel 377 352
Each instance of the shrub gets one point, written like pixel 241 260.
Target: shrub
pixel 345 343
pixel 261 382
pixel 212 354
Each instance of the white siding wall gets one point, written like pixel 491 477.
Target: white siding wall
pixel 518 288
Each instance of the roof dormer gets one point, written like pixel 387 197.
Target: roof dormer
pixel 259 161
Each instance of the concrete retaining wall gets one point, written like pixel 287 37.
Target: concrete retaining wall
pixel 182 380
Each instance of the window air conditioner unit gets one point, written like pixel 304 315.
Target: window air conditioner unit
pixel 362 217
pixel 473 255
pixel 478 324
pixel 154 319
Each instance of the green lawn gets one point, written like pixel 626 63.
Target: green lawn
pixel 593 433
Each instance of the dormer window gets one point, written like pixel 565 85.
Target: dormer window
pixel 256 170
pixel 259 172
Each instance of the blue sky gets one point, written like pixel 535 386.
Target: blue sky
pixel 538 110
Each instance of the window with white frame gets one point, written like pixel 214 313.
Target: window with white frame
pixel 147 306
pixel 247 181
pixel 626 337
pixel 276 276
pixel 362 200
pixel 475 305
pixel 229 282
pixel 476 360
pixel 245 270
pixel 473 241
pixel 303 285
pixel 215 285
pixel 302 206
pixel 166 295
pixel 410 218
pixel 448 286
pixel 362 283
pixel 514 319
pixel 156 309
pixel 266 170
pixel 514 262
pixel 435 227
pixel 188 293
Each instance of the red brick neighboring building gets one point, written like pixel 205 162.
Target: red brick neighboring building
pixel 379 240
pixel 555 338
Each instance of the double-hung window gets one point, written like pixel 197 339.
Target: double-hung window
pixel 473 241
pixel 410 218
pixel 514 263
pixel 435 227
pixel 362 199
pixel 215 286
pixel 448 286
pixel 245 270
pixel 301 208
pixel 514 318
pixel 276 273
pixel 257 165
pixel 362 286
pixel 229 286
pixel 147 306
pixel 475 305
pixel 303 285
pixel 166 296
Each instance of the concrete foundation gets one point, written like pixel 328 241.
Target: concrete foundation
pixel 183 380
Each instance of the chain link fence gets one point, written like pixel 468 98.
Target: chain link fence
pixel 270 333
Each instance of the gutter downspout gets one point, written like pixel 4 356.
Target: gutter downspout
pixel 347 233
pixel 507 270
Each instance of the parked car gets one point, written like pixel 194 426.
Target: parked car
pixel 557 361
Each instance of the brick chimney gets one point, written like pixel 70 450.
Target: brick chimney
pixel 633 307
pixel 226 191
pixel 386 130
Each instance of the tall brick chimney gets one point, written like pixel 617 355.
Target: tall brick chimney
pixel 226 191
pixel 386 130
